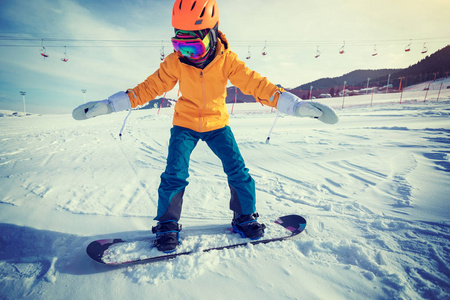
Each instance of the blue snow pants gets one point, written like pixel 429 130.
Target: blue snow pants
pixel 174 178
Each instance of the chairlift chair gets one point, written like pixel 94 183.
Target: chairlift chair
pixel 424 49
pixel 161 52
pixel 43 50
pixel 408 47
pixel 43 53
pixel 264 52
pixel 342 51
pixel 317 52
pixel 65 58
pixel 375 52
pixel 249 55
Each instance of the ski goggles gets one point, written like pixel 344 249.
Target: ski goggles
pixel 192 48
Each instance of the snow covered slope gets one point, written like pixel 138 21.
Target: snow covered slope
pixel 373 188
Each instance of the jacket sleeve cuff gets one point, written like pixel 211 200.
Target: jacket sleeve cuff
pixel 120 101
pixel 287 103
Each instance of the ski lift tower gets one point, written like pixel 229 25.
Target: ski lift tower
pixel 23 97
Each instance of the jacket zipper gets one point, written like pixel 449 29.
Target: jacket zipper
pixel 204 101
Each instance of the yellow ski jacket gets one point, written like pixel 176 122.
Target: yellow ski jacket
pixel 201 106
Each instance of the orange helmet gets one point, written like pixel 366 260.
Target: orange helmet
pixel 195 14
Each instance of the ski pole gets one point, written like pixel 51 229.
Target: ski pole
pixel 270 132
pixel 123 125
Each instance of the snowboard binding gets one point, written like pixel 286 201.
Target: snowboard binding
pixel 167 236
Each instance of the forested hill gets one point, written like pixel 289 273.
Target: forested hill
pixel 353 78
pixel 436 64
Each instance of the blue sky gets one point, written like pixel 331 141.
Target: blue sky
pixel 293 29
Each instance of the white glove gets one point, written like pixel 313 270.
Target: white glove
pixel 290 104
pixel 115 103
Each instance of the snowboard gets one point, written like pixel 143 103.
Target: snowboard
pixel 132 251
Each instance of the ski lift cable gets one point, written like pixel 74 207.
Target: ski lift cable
pixel 266 43
pixel 54 42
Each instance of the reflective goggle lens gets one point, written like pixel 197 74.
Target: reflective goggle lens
pixel 192 48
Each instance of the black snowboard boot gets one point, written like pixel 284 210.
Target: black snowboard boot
pixel 167 236
pixel 247 226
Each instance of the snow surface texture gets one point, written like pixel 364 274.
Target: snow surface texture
pixel 195 240
pixel 373 188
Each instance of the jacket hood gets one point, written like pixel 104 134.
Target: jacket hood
pixel 223 39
